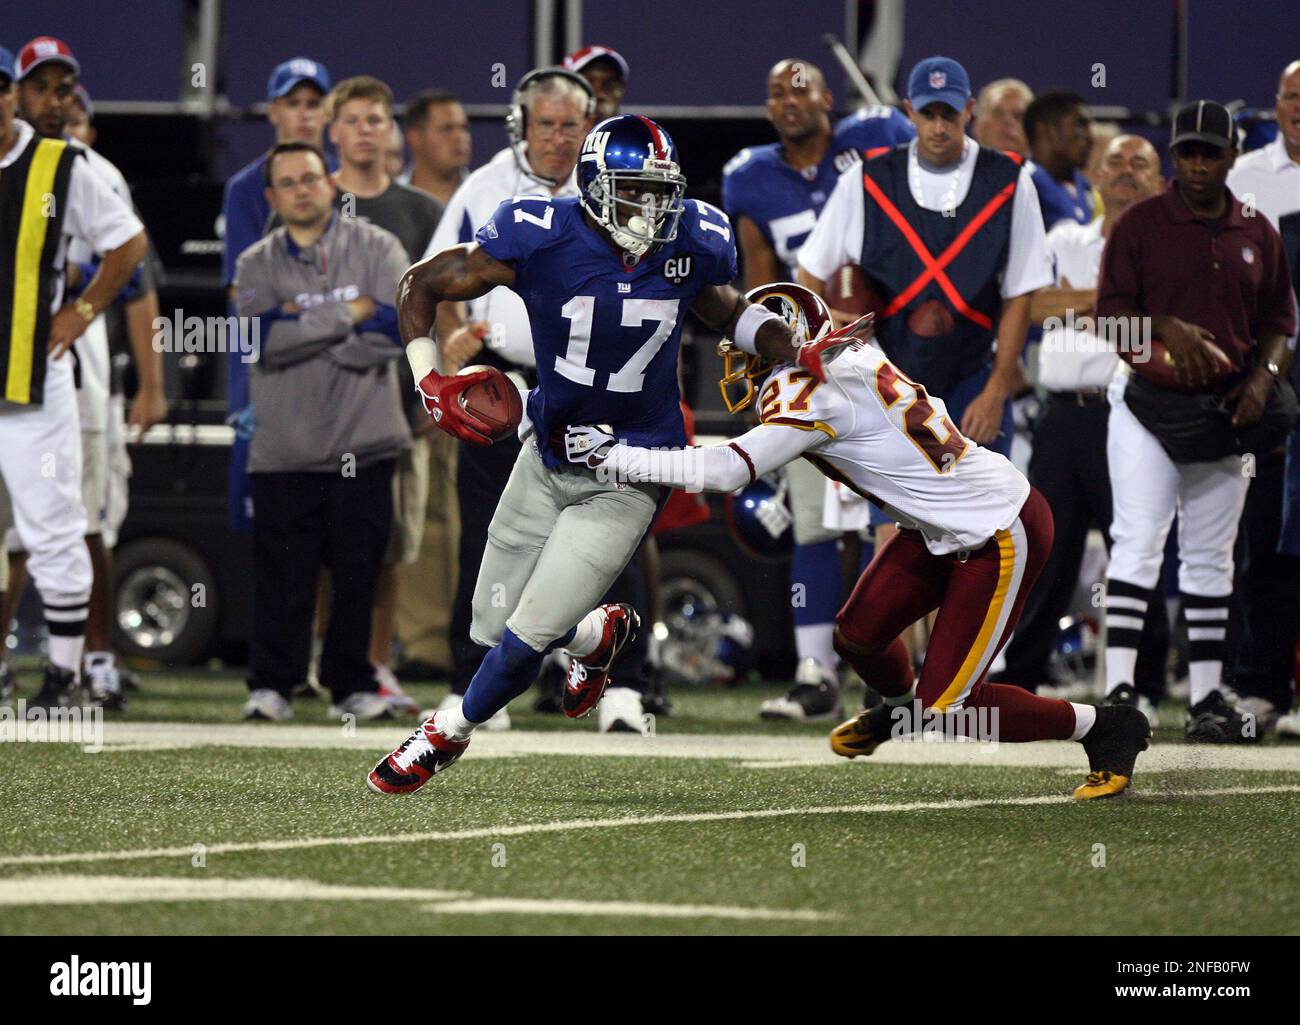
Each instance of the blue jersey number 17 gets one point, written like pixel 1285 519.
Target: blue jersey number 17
pixel 581 312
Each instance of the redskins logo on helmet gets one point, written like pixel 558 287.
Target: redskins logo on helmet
pixel 742 374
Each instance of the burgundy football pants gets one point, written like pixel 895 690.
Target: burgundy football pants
pixel 979 595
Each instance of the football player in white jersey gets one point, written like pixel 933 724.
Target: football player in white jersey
pixel 973 536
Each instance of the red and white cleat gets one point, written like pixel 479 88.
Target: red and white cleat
pixel 423 754
pixel 589 675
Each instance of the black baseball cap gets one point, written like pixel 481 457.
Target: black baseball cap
pixel 1204 121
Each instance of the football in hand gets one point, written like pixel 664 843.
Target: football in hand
pixel 496 402
pixel 1159 368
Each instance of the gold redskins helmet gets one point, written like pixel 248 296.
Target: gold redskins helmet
pixel 742 373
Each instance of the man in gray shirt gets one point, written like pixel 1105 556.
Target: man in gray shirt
pixel 328 432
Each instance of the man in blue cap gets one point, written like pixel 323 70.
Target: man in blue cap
pixel 950 237
pixel 296 108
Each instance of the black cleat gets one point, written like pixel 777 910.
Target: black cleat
pixel 59 689
pixel 1113 744
pixel 815 695
pixel 1213 721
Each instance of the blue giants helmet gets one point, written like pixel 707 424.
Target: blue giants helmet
pixel 631 182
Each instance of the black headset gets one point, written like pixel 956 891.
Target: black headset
pixel 517 118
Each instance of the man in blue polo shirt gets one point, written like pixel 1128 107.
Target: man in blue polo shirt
pixel 295 107
pixel 1059 128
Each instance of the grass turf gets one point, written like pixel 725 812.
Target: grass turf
pixel 1173 864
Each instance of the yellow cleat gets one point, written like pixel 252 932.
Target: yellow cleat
pixel 1100 784
pixel 853 738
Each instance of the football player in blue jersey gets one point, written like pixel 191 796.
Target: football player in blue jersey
pixel 773 195
pixel 608 277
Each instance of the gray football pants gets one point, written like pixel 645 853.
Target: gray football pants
pixel 556 543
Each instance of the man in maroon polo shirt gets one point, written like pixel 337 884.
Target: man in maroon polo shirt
pixel 1198 269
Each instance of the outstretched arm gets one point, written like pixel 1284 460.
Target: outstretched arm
pixel 698 468
pixel 452 275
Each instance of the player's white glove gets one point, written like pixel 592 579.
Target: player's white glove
pixel 588 446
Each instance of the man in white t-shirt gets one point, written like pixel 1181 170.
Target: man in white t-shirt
pixel 1069 462
pixel 47 81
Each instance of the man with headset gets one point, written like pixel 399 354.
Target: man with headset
pixel 550 113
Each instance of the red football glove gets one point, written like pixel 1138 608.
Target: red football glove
pixel 814 355
pixel 441 398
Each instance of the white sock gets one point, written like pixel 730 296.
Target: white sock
pixel 452 724
pixel 1121 667
pixel 903 699
pixel 587 634
pixel 65 652
pixel 102 657
pixel 817 641
pixel 1084 717
pixel 1203 679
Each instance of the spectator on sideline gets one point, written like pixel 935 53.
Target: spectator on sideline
pixel 606 72
pixel 295 108
pixel 1200 268
pixel 47 72
pixel 1000 115
pixel 361 120
pixel 1269 576
pixel 322 470
pixel 437 135
pixel 1059 128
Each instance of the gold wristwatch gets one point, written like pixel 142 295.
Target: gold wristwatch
pixel 85 309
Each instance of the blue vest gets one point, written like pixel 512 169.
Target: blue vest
pixel 938 360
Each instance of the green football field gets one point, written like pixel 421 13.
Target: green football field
pixel 189 821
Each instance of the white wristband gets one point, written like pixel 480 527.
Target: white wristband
pixel 754 317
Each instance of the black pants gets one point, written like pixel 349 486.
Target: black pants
pixel 481 476
pixel 1262 629
pixel 1069 467
pixel 304 521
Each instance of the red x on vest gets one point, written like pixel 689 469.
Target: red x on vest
pixel 935 268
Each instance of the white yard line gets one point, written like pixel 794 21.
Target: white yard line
pixel 86 890
pixel 752 750
pixel 87 857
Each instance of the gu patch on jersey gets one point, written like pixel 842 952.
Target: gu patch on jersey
pixel 845 159
pixel 677 269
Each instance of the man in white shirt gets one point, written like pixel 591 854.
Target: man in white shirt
pixel 930 327
pixel 550 115
pixel 40 450
pixel 1069 462
pixel 47 91
pixel 1268 180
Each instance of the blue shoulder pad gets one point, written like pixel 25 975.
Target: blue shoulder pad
pixel 872 127
pixel 707 230
pixel 519 226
